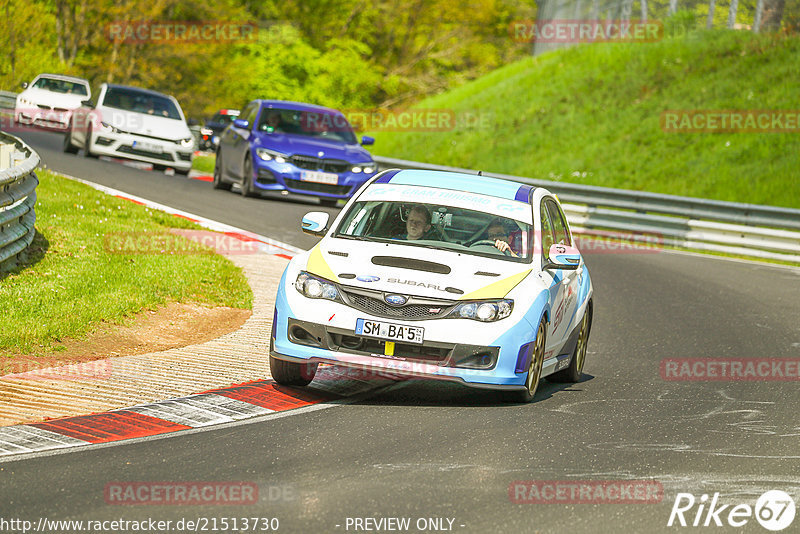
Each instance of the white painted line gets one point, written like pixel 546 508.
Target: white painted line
pixel 26 438
pixel 278 246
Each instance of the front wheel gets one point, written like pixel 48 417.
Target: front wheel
pixel 534 375
pixel 87 144
pixel 69 147
pixel 573 372
pixel 247 180
pixel 290 373
pixel 218 182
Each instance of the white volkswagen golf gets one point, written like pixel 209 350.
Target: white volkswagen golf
pixel 133 123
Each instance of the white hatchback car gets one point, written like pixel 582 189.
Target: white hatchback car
pixel 49 100
pixel 133 123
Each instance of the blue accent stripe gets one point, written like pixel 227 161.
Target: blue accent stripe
pixel 386 177
pixel 524 357
pixel 470 183
pixel 524 194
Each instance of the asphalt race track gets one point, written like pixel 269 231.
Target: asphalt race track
pixel 424 450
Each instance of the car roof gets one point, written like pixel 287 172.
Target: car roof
pixel 295 106
pixel 63 77
pixel 458 181
pixel 140 89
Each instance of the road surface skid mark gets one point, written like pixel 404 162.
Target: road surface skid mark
pixel 241 401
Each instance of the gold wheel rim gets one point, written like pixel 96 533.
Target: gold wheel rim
pixel 537 358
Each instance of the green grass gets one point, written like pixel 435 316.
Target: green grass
pixel 204 164
pixel 591 114
pixel 71 283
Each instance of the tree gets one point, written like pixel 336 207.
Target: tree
pixel 773 14
pixel 712 4
pixel 732 14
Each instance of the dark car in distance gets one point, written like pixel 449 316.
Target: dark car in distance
pixel 292 147
pixel 211 131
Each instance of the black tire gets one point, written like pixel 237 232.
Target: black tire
pixel 534 376
pixel 183 172
pixel 290 373
pixel 159 168
pixel 69 147
pixel 247 179
pixel 575 369
pixel 328 202
pixel 218 182
pixel 88 143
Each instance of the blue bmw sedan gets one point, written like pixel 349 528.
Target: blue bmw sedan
pixel 299 148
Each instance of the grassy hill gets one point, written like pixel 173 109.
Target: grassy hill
pixel 591 114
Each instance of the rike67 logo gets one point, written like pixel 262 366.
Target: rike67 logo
pixel 774 510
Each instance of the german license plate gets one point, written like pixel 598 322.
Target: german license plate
pixel 150 147
pixel 391 331
pixel 319 177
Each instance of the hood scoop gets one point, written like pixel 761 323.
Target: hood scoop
pixel 484 273
pixel 411 264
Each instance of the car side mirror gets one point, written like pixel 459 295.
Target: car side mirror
pixel 241 123
pixel 87 103
pixel 315 223
pixel 563 257
pixel 367 140
pixel 24 85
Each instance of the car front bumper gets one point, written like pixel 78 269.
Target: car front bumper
pixel 130 146
pixel 483 355
pixel 50 119
pixel 271 176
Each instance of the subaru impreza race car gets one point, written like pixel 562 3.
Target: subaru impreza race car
pixel 438 275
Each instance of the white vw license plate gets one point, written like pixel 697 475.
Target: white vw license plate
pixel 150 147
pixel 394 332
pixel 319 177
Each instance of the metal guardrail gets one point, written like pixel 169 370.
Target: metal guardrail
pixel 750 230
pixel 8 100
pixel 17 199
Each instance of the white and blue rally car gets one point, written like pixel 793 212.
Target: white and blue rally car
pixel 438 275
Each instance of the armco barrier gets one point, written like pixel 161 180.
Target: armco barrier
pixel 750 230
pixel 17 198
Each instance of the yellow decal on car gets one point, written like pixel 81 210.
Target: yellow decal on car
pixel 318 266
pixel 497 290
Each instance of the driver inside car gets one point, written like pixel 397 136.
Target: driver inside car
pixel 418 224
pixel 497 233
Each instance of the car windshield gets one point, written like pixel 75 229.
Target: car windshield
pixel 317 124
pixel 141 102
pixel 61 86
pixel 450 228
pixel 225 119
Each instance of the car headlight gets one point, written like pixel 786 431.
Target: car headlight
pixel 104 126
pixel 269 155
pixel 188 142
pixel 484 311
pixel 315 288
pixel 366 168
